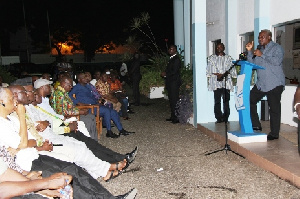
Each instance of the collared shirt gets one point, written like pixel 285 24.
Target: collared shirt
pixel 62 103
pixel 219 64
pixel 102 87
pixel 273 75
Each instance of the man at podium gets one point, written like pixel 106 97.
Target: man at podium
pixel 270 82
pixel 219 77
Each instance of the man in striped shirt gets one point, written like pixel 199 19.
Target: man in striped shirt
pixel 217 66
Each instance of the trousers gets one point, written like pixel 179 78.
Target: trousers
pixel 84 185
pixel 274 100
pixel 98 150
pixel 218 95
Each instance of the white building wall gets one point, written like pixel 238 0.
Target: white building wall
pixel 245 16
pixel 283 11
pixel 215 21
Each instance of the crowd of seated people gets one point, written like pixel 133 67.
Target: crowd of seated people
pixel 41 134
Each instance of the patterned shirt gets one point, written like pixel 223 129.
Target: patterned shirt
pixel 115 85
pixel 62 103
pixel 9 160
pixel 219 64
pixel 102 87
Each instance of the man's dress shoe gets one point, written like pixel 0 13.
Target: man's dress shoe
pixel 255 128
pixel 131 156
pixel 110 134
pixel 271 137
pixel 175 121
pixel 130 195
pixel 169 119
pixel 124 132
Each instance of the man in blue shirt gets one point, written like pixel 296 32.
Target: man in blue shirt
pixel 270 82
pixel 84 96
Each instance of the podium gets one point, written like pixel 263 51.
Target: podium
pixel 242 99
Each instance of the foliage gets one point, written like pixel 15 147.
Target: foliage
pixel 187 81
pixel 6 75
pixel 141 29
pixel 150 78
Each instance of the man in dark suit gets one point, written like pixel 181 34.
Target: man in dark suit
pixel 173 81
pixel 135 76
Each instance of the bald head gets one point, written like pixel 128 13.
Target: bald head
pixel 20 94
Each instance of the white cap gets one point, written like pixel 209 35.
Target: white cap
pixel 41 82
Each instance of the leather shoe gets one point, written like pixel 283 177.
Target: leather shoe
pixel 219 121
pixel 110 134
pixel 130 111
pixel 255 128
pixel 175 121
pixel 271 137
pixel 124 132
pixel 169 119
pixel 130 195
pixel 131 156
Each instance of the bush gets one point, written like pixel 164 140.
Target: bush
pixel 6 75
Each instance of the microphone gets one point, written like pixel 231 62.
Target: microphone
pixel 258 47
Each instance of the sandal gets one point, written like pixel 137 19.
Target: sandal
pixel 112 175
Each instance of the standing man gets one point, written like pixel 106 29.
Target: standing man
pixel 173 81
pixel 217 73
pixel 135 76
pixel 269 82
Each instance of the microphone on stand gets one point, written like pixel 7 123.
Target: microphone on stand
pixel 258 47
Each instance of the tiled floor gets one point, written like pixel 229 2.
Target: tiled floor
pixel 280 156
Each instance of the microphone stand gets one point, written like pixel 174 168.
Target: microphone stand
pixel 227 146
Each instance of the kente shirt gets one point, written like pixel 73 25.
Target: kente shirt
pixel 271 59
pixel 219 64
pixel 62 103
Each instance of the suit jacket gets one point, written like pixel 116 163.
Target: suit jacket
pixel 173 72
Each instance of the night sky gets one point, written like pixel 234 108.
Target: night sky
pixel 108 18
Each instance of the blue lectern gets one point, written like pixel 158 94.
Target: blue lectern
pixel 243 98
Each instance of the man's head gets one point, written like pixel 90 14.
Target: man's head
pixel 66 83
pixel 46 76
pixel 82 79
pixel 104 77
pixel 220 49
pixel 172 50
pixel 7 101
pixel 38 99
pixel 43 87
pixel 97 75
pixel 30 93
pixel 264 37
pixel 20 94
pixel 88 76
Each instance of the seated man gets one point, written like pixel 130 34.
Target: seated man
pixel 84 96
pixel 58 127
pixel 14 184
pixel 83 184
pixel 70 147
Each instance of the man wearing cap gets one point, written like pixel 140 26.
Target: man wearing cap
pixel 56 123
